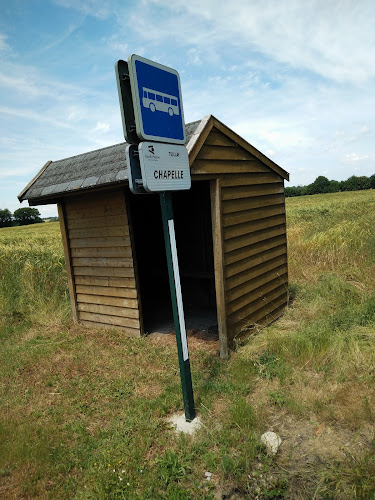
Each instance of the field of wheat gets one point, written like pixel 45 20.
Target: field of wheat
pixel 332 233
pixel 33 283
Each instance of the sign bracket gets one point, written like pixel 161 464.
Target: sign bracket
pixel 126 102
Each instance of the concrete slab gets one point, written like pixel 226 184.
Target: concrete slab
pixel 180 425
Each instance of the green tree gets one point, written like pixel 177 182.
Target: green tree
pixel 27 215
pixel 292 191
pixel 363 182
pixel 320 185
pixel 335 186
pixel 355 183
pixel 5 217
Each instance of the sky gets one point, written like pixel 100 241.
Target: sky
pixel 295 78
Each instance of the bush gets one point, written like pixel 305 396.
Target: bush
pixel 6 218
pixel 323 185
pixel 27 215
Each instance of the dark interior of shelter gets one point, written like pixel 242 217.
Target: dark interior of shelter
pixel 192 213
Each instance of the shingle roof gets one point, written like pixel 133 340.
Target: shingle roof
pixel 96 168
pixel 107 166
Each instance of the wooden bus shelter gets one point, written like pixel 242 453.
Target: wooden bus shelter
pixel 230 230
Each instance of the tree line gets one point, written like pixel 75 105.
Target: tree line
pixel 20 217
pixel 324 185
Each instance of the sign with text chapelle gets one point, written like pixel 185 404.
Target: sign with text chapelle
pixel 157 101
pixel 164 167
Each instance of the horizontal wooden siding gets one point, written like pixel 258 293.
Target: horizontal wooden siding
pixel 102 261
pixel 255 252
pixel 253 232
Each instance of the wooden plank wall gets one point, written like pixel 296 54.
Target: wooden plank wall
pixel 255 251
pixel 254 233
pixel 102 261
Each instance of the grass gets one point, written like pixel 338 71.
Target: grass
pixel 83 412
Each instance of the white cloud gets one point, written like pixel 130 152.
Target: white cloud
pixel 193 55
pixel 23 85
pixel 101 127
pixel 358 134
pixel 117 43
pixel 354 157
pixel 332 39
pixel 3 44
pixel 28 81
pixel 34 116
pixel 75 113
pixel 61 37
pixel 101 9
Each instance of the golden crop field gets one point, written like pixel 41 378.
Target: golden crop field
pixel 332 233
pixel 33 282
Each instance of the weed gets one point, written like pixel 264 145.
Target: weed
pixel 270 366
pixel 277 398
pixel 170 468
pixel 354 477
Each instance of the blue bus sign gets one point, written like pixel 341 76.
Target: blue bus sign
pixel 157 99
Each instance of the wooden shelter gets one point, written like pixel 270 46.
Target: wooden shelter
pixel 230 230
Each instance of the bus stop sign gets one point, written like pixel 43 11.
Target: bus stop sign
pixel 157 100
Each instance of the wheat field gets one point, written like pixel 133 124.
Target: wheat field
pixel 33 283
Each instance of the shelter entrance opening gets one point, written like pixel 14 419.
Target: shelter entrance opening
pixel 192 212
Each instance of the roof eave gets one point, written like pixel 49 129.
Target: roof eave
pixel 21 197
pixel 57 197
pixel 198 138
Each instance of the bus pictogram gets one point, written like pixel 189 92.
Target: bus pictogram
pixel 158 101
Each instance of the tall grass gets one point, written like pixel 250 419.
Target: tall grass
pixel 33 283
pixel 331 247
pixel 332 273
pixel 332 233
pixel 317 361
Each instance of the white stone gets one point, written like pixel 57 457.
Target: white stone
pixel 181 425
pixel 271 441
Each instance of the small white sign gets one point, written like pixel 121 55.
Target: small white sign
pixel 164 167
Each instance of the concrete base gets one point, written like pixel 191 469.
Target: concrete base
pixel 179 423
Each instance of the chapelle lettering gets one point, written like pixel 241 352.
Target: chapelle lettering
pixel 168 174
pixel 167 169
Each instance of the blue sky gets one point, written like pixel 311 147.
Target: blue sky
pixel 295 79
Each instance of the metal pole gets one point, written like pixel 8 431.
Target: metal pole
pixel 177 306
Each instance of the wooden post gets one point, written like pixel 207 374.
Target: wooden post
pixel 135 261
pixel 217 237
pixel 68 260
